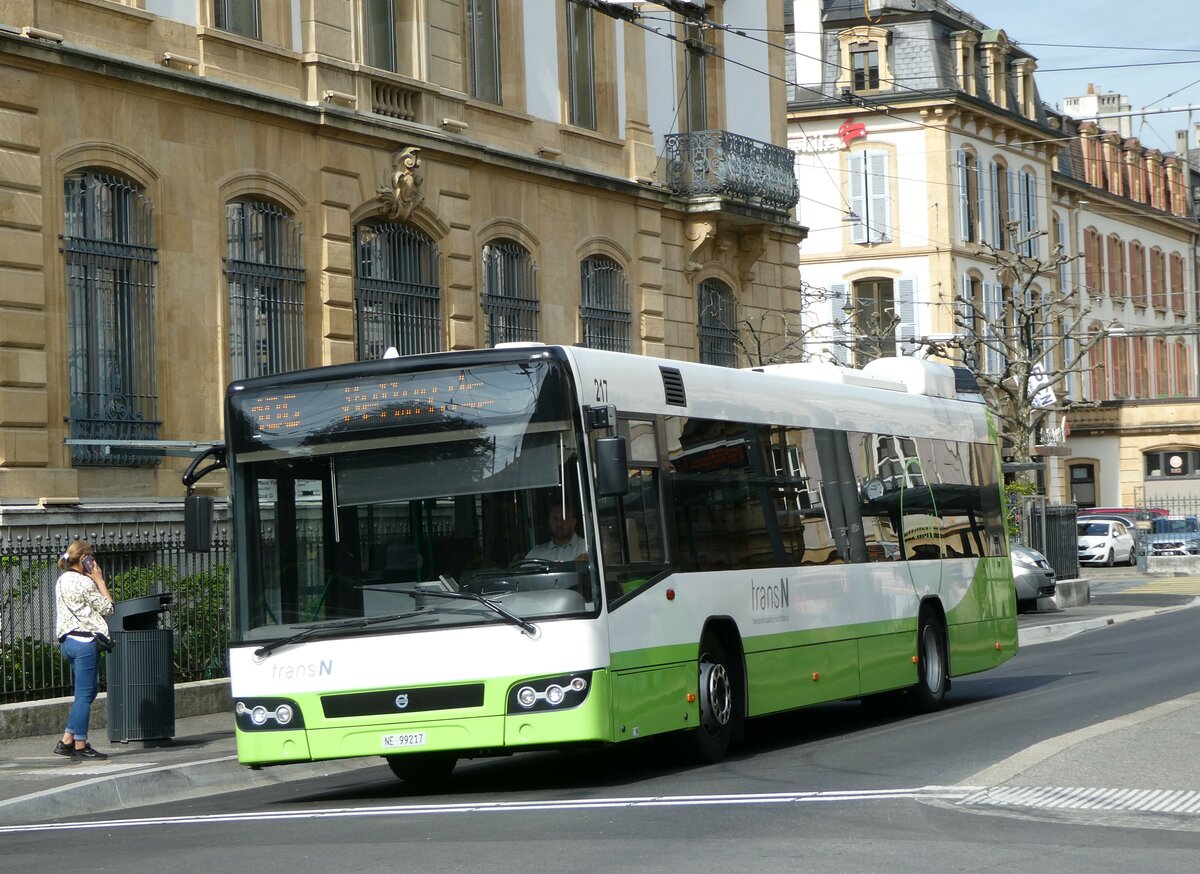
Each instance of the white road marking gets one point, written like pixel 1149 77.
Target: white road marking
pixel 929 793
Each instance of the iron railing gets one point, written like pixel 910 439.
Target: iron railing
pixel 144 563
pixel 723 164
pixel 1050 529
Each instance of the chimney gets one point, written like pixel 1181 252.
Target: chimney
pixel 1181 143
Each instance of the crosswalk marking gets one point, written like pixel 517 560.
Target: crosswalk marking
pixel 1189 585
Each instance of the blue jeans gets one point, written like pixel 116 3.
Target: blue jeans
pixel 85 666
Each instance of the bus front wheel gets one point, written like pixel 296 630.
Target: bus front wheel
pixel 718 704
pixel 933 669
pixel 422 767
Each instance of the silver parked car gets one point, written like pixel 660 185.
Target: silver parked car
pixel 1032 575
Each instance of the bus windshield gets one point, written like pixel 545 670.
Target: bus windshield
pixel 375 498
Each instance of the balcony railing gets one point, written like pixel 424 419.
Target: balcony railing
pixel 717 163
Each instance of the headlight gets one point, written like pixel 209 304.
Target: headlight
pixel 550 693
pixel 267 714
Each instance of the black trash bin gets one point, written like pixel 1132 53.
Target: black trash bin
pixel 141 671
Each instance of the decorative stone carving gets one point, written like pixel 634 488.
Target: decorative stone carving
pixel 403 192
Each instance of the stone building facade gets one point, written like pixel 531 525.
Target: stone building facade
pixel 196 191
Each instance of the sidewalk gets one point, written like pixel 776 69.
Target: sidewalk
pixel 36 785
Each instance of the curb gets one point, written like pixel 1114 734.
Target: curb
pixel 47 716
pixel 1061 630
pixel 159 785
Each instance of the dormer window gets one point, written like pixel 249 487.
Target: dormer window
pixel 863 59
pixel 864 64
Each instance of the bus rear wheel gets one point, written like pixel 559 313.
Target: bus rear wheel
pixel 933 668
pixel 422 767
pixel 718 704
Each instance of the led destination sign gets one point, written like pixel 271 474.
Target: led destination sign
pixel 364 404
pixel 299 413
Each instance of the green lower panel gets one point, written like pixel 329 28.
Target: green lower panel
pixel 798 676
pixel 271 747
pixel 654 700
pixel 886 662
pixel 972 647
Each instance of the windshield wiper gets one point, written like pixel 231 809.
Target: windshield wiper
pixel 524 624
pixel 313 630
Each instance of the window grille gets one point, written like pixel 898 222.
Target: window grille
pixel 397 293
pixel 111 264
pixel 718 324
pixel 264 269
pixel 510 301
pixel 604 304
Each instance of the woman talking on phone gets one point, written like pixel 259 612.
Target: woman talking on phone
pixel 81 601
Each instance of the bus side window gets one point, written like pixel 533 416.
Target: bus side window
pixel 631 526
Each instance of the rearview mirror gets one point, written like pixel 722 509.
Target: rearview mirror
pixel 197 523
pixel 612 467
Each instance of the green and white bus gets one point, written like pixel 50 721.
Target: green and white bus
pixel 746 542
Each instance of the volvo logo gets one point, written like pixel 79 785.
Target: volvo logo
pixel 401 700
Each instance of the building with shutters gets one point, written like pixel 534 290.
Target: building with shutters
pixel 204 190
pixel 921 142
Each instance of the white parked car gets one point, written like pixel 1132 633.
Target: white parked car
pixel 1105 541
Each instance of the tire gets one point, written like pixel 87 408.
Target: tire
pixel 422 767
pixel 933 668
pixel 717 695
pixel 1111 559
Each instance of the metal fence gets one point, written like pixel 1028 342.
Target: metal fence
pixel 1050 529
pixel 138 564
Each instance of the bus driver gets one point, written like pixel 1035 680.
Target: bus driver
pixel 565 544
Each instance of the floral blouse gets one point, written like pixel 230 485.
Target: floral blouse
pixel 79 606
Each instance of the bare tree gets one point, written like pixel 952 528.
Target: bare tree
pixel 771 336
pixel 1022 343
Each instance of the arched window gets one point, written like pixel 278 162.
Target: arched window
pixel 111 262
pixel 604 304
pixel 397 295
pixel 510 296
pixel 264 272
pixel 1175 462
pixel 718 311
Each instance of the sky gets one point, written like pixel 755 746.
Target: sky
pixel 1164 69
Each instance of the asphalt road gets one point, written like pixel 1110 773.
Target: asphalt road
pixel 826 789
